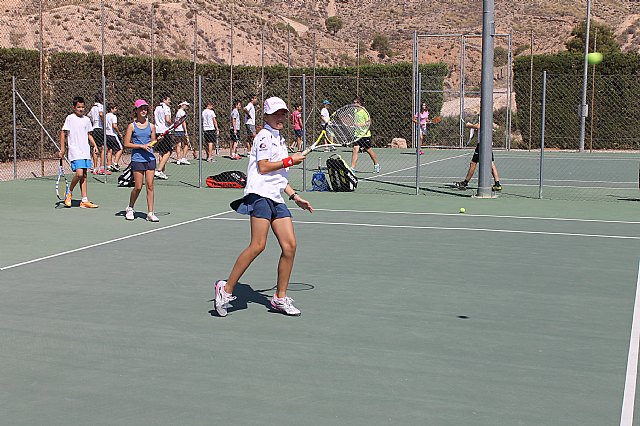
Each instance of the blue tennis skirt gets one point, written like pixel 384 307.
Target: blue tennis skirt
pixel 81 164
pixel 258 206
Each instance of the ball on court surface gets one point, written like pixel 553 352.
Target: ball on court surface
pixel 594 58
pixel 462 210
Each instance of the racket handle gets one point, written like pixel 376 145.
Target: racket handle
pixel 307 151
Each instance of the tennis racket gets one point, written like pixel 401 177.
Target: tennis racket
pixel 345 126
pixel 61 179
pixel 171 129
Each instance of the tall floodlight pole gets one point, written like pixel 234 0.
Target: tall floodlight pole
pixel 584 109
pixel 486 100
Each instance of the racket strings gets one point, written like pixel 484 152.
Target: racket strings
pixel 348 124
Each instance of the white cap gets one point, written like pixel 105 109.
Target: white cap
pixel 274 104
pixel 184 103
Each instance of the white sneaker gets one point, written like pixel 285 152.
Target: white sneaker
pixel 186 162
pixel 152 217
pixel 160 175
pixel 222 298
pixel 129 213
pixel 376 168
pixel 178 161
pixel 285 305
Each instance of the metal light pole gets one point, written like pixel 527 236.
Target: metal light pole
pixel 584 109
pixel 486 100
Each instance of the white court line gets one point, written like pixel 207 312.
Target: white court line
pixel 626 417
pixel 51 256
pixel 478 215
pixel 446 228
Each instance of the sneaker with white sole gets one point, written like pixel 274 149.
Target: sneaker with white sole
pixel 285 305
pixel 186 162
pixel 160 175
pixel 179 161
pixel 222 298
pixel 376 168
pixel 152 217
pixel 129 213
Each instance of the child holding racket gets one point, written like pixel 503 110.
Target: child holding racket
pixel 140 134
pixel 462 185
pixel 364 142
pixel 267 178
pixel 423 116
pixel 77 130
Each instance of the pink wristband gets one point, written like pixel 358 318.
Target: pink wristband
pixel 287 162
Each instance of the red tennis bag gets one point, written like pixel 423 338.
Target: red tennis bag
pixel 232 179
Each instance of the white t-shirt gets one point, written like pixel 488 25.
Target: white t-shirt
pixel 78 129
pixel 250 117
pixel 267 145
pixel 324 114
pixel 159 115
pixel 109 121
pixel 235 114
pixel 180 113
pixel 94 114
pixel 208 117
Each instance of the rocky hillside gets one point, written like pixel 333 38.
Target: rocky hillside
pixel 299 25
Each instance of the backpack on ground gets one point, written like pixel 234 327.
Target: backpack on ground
pixel 126 177
pixel 231 179
pixel 319 182
pixel 340 174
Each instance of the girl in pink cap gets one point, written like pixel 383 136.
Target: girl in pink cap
pixel 139 137
pixel 267 180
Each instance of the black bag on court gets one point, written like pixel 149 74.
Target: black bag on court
pixel 341 177
pixel 126 178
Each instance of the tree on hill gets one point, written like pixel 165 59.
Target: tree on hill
pixel 606 42
pixel 333 24
pixel 381 43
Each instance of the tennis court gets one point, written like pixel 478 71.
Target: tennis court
pixel 518 312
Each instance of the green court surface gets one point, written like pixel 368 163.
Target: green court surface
pixel 518 312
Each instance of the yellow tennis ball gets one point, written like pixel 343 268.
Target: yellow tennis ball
pixel 594 58
pixel 462 210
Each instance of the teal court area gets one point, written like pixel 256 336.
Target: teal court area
pixel 519 311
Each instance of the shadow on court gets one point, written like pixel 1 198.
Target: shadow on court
pixel 245 294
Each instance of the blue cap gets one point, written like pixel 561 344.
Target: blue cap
pixel 326 102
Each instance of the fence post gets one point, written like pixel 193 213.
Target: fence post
pixel 15 135
pixel 200 131
pixel 304 130
pixel 544 112
pixel 416 113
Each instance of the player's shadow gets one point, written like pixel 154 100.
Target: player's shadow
pixel 245 294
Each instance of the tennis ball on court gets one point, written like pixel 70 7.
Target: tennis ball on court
pixel 462 210
pixel 594 58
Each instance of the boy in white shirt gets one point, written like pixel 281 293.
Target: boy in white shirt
pixel 210 130
pixel 96 114
pixel 162 117
pixel 267 178
pixel 181 135
pixel 77 130
pixel 250 121
pixel 114 138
